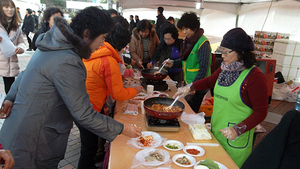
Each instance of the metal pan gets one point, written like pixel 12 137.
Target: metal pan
pixel 149 74
pixel 160 114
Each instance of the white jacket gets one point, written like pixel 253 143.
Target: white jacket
pixel 10 67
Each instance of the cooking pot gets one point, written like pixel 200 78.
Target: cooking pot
pixel 160 114
pixel 149 74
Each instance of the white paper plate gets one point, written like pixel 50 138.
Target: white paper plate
pixel 140 156
pixel 202 151
pixel 157 140
pixel 192 160
pixel 221 166
pixel 172 142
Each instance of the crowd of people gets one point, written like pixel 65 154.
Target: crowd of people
pixel 76 73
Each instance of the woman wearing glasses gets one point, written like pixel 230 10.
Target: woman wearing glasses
pixel 241 95
pixel 169 49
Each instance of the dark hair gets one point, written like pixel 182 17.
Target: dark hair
pixel 189 20
pixel 137 16
pixel 15 19
pixel 51 11
pixel 170 18
pixel 121 20
pixel 29 11
pixel 172 30
pixel 96 21
pixel 248 57
pixel 113 11
pixel 131 16
pixel 119 37
pixel 143 25
pixel 160 9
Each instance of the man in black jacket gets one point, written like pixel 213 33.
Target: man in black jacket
pixel 160 20
pixel 132 23
pixel 28 26
pixel 36 21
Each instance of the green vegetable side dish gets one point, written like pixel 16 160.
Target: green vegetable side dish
pixel 209 163
pixel 172 146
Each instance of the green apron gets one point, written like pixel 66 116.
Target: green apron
pixel 229 110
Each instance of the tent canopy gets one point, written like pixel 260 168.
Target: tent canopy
pixel 219 16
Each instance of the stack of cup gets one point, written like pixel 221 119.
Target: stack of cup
pixel 150 89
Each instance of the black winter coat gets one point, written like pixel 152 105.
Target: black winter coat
pixel 28 24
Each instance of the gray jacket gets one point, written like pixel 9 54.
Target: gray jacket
pixel 47 97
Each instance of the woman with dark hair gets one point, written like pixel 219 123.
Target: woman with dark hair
pixel 143 44
pixel 9 23
pixel 104 79
pixel 51 93
pixel 241 95
pixel 28 26
pixel 195 56
pixel 169 49
pixel 47 23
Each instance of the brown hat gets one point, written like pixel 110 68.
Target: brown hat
pixel 237 40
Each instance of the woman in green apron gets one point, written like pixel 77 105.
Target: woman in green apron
pixel 240 95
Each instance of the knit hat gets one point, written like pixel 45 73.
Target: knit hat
pixel 237 40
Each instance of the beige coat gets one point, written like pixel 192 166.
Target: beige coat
pixel 136 45
pixel 10 67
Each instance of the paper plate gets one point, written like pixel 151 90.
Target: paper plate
pixel 202 151
pixel 157 140
pixel 140 156
pixel 192 160
pixel 173 142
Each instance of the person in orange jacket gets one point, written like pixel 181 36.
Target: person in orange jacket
pixel 104 79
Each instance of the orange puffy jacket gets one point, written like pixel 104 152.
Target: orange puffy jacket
pixel 104 77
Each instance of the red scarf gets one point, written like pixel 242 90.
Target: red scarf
pixel 185 51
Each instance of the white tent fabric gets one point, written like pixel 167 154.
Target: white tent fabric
pixel 217 17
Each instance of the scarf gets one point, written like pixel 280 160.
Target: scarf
pixel 230 73
pixel 185 51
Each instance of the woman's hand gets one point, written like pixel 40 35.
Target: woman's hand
pixel 168 62
pixel 6 108
pixel 19 50
pixel 140 64
pixel 132 131
pixel 139 89
pixel 149 65
pixel 6 159
pixel 183 91
pixel 229 133
pixel 132 62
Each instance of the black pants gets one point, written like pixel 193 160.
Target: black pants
pixel 29 41
pixel 8 81
pixel 89 147
pixel 195 100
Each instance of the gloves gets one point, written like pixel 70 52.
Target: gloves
pixel 229 133
pixel 183 91
pixel 168 62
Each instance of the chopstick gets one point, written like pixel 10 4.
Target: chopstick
pixel 203 144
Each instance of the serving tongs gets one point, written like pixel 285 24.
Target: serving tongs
pixel 170 107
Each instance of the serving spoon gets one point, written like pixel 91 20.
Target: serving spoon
pixel 169 107
pixel 159 71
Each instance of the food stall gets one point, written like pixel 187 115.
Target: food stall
pixel 122 154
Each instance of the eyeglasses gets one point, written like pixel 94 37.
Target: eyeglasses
pixel 220 50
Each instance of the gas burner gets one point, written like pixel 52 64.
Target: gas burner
pixel 155 124
pixel 159 85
